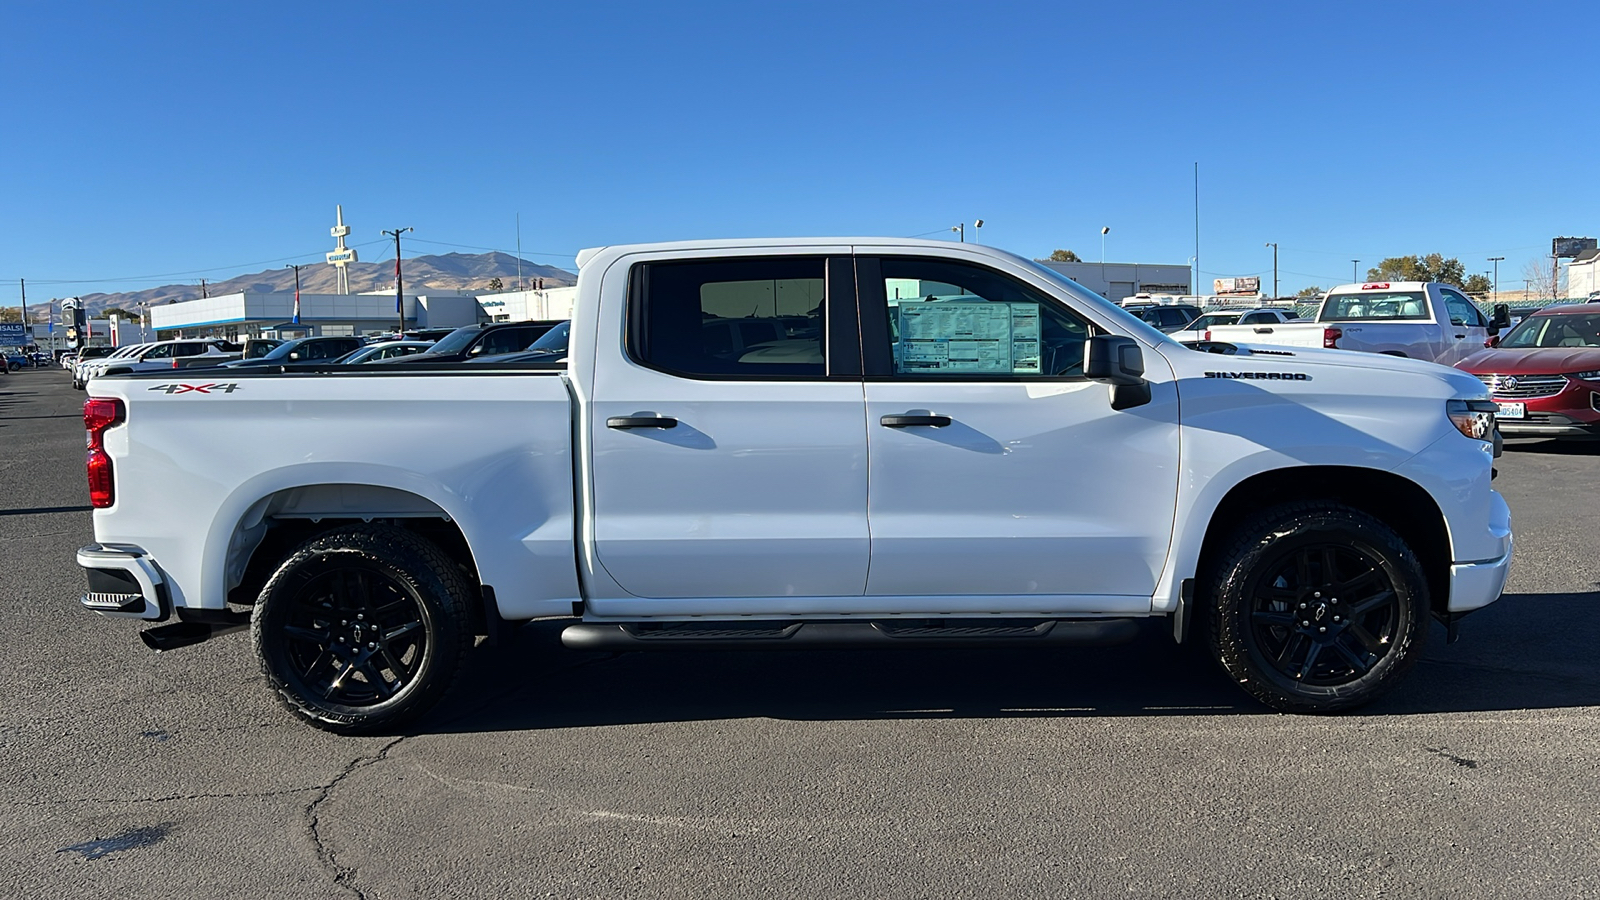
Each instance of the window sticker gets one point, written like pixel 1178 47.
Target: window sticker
pixel 969 338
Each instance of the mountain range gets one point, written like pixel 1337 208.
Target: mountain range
pixel 446 272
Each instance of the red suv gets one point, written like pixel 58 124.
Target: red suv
pixel 1545 373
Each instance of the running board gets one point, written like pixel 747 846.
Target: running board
pixel 849 635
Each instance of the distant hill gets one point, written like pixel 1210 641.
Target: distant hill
pixel 448 272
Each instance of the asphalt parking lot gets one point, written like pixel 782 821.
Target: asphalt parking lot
pixel 1131 771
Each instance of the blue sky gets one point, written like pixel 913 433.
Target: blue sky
pixel 143 143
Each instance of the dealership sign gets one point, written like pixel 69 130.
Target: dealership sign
pixel 1249 284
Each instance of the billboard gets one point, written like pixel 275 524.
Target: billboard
pixel 1249 284
pixel 14 334
pixel 1569 247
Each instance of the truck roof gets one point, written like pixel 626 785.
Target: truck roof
pixel 1379 286
pixel 587 254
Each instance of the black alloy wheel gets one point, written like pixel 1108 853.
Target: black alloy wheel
pixel 362 628
pixel 1316 607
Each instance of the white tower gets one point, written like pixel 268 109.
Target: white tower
pixel 341 255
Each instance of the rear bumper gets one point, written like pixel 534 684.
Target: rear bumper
pixel 123 583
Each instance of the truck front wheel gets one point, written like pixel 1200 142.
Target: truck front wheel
pixel 1317 607
pixel 362 628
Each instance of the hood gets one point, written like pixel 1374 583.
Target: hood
pixel 1461 384
pixel 1532 361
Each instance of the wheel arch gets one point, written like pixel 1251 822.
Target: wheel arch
pixel 1395 500
pixel 258 538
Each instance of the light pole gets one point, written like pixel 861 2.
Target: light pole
pixel 977 227
pixel 1194 277
pixel 1103 232
pixel 1274 267
pixel 296 269
pixel 961 230
pixel 1496 260
pixel 1353 264
pixel 399 304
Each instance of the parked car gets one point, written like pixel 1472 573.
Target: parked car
pixel 89 368
pixel 15 360
pixel 385 350
pixel 1545 373
pixel 550 347
pixel 1415 319
pixel 1263 320
pixel 301 350
pixel 1166 317
pixel 177 354
pixel 1021 464
pixel 472 341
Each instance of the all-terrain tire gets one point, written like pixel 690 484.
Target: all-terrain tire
pixel 362 629
pixel 1280 626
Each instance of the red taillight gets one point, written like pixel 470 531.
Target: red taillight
pixel 100 413
pixel 1330 338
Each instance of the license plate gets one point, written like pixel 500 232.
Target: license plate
pixel 1513 410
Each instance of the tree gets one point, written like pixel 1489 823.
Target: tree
pixel 1064 256
pixel 10 314
pixel 110 311
pixel 1433 267
pixel 495 284
pixel 1309 293
pixel 1477 286
pixel 1542 281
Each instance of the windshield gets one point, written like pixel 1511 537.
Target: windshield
pixel 554 340
pixel 1369 305
pixel 282 351
pixel 1125 320
pixel 1211 320
pixel 1570 330
pixel 455 341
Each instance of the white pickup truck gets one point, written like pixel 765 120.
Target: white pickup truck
pixel 1414 319
pixel 944 445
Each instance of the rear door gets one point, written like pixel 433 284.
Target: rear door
pixel 723 471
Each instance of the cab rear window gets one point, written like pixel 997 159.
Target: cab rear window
pixel 1369 305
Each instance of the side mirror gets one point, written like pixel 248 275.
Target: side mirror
pixel 1493 341
pixel 294 355
pixel 1501 318
pixel 1116 360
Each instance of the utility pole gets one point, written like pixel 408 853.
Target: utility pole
pixel 399 303
pixel 1496 260
pixel 519 251
pixel 27 333
pixel 1274 268
pixel 1353 264
pixel 202 289
pixel 296 269
pixel 1197 229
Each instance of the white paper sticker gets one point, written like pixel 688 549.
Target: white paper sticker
pixel 969 338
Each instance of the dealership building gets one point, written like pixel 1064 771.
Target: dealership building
pixel 1119 281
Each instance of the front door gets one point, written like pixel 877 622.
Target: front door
pixel 996 468
pixel 1466 331
pixel 728 444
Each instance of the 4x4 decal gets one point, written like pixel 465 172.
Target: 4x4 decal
pixel 196 388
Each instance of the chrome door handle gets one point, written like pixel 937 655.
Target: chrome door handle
pixel 641 422
pixel 910 421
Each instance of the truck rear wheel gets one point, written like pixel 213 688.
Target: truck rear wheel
pixel 1317 607
pixel 362 628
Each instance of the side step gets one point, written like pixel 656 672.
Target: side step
pixel 849 635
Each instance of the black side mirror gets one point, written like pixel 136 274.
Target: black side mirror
pixel 1116 360
pixel 1502 317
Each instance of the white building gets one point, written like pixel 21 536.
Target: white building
pixel 1118 281
pixel 1583 275
pixel 529 306
pixel 252 313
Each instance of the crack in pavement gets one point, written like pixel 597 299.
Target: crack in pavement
pixel 343 876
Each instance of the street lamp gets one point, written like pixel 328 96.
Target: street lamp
pixel 1103 232
pixel 1274 267
pixel 961 230
pixel 1353 264
pixel 977 226
pixel 1496 260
